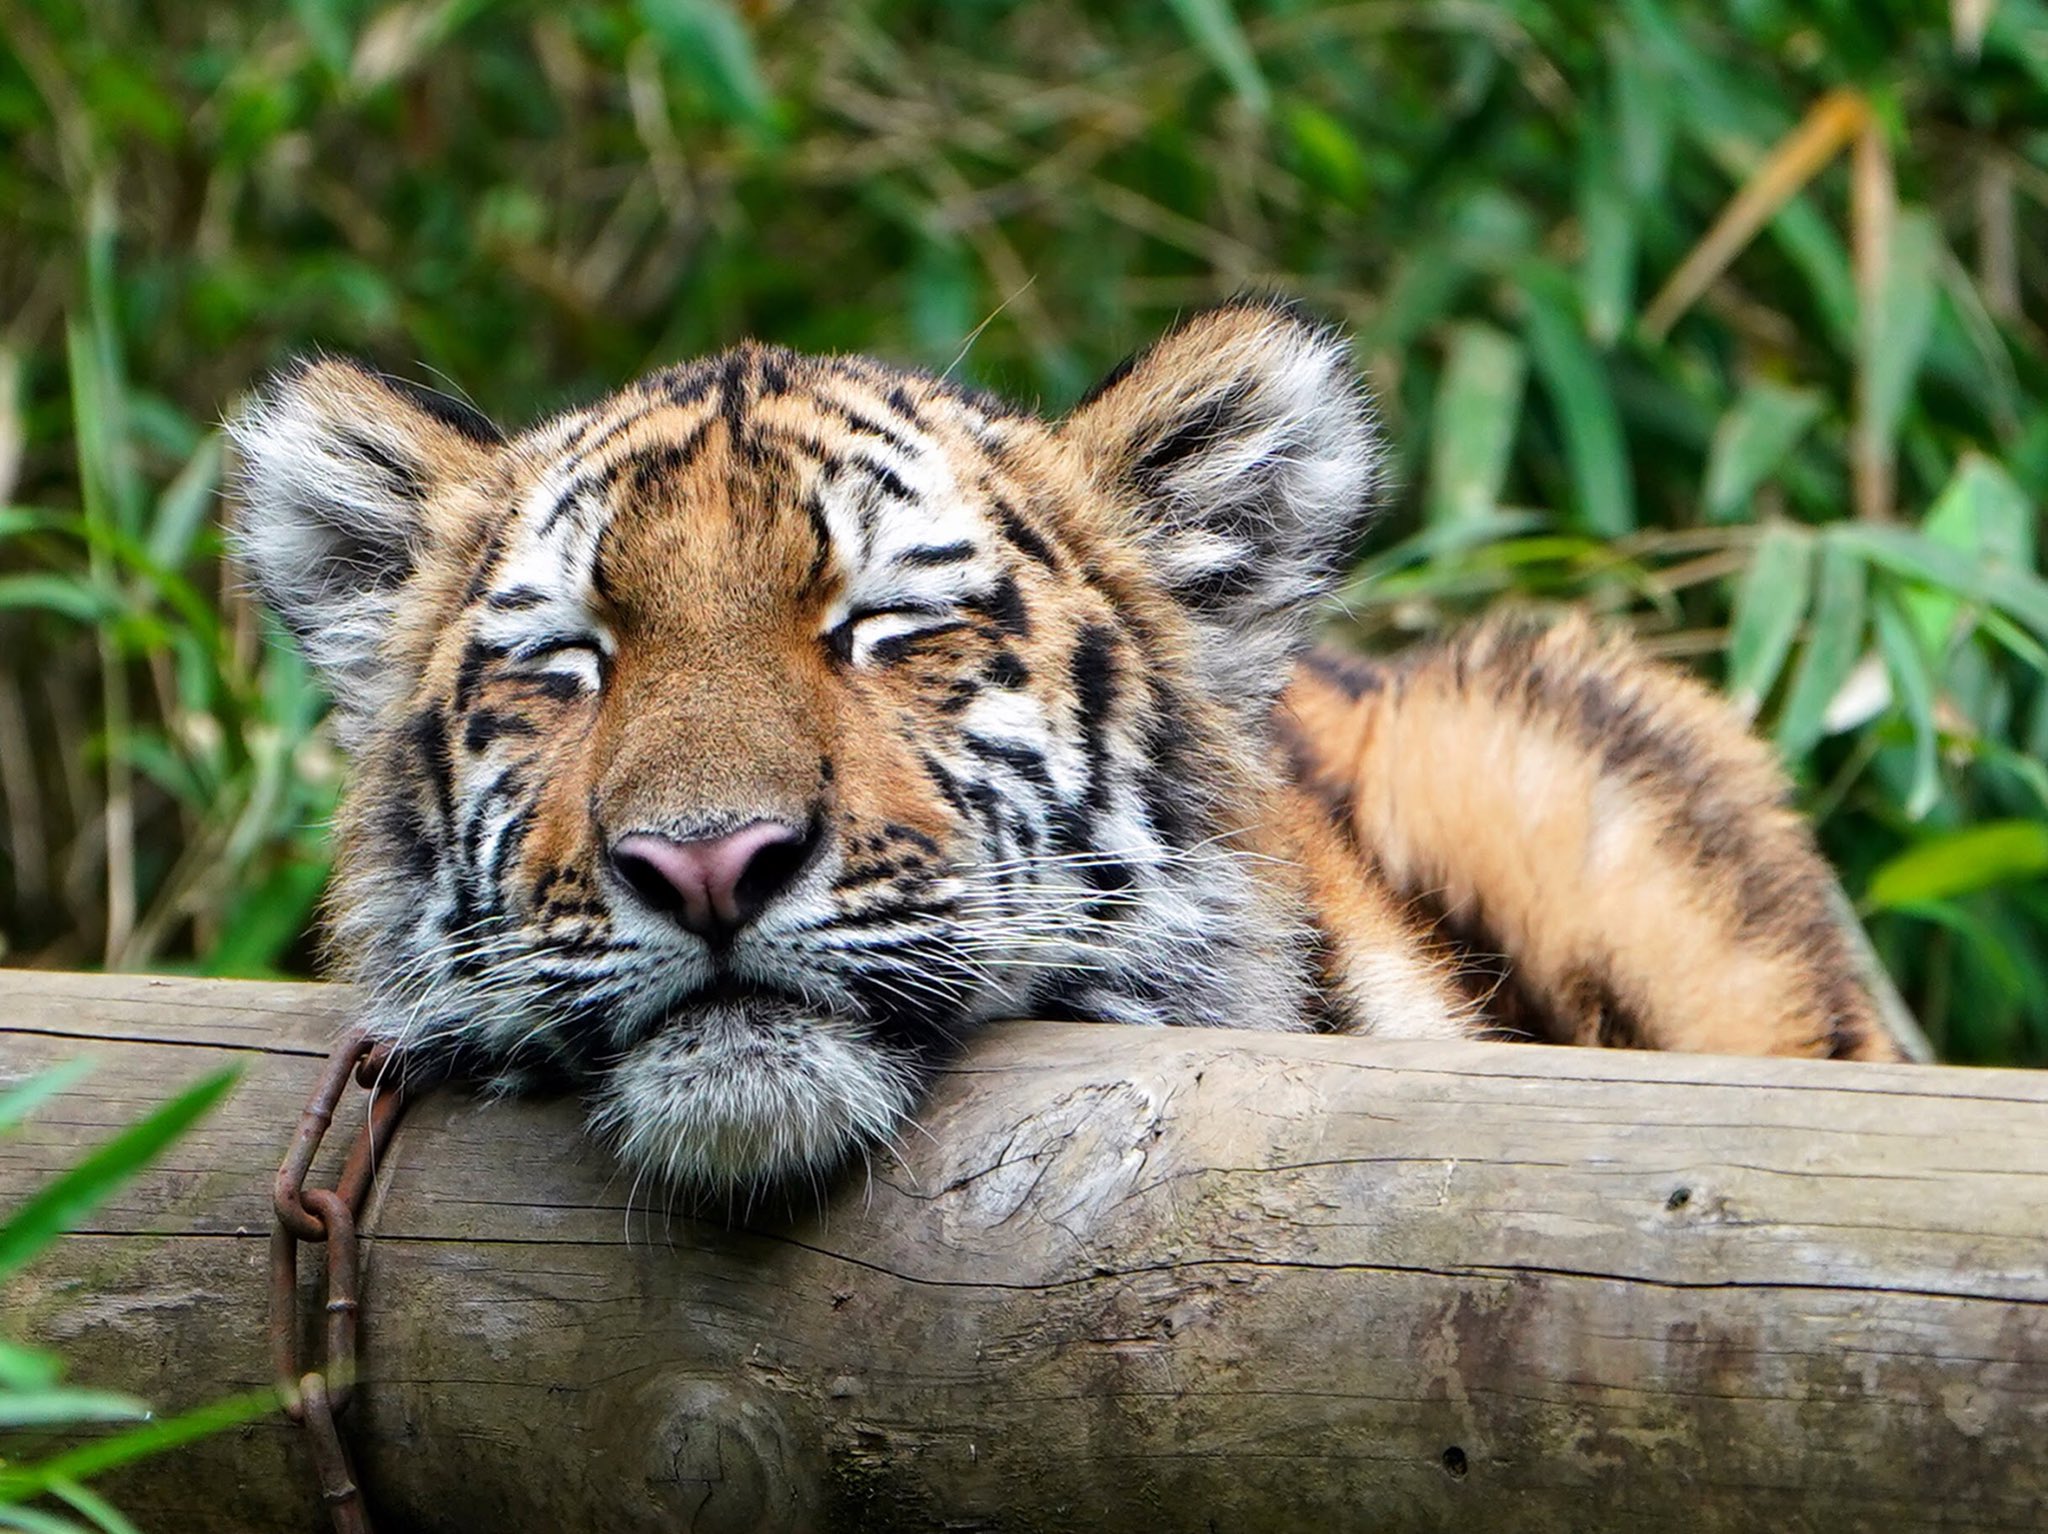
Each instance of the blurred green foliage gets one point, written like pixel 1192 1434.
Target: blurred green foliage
pixel 1722 318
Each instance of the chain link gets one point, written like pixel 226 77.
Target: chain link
pixel 314 1397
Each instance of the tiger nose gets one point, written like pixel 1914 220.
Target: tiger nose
pixel 712 885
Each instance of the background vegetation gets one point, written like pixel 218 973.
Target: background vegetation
pixel 1724 317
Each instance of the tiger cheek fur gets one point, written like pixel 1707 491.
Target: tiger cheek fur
pixel 731 747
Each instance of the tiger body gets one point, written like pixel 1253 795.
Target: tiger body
pixel 731 748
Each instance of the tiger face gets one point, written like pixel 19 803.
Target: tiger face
pixel 730 748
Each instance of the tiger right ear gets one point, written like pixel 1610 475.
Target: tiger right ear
pixel 339 472
pixel 1242 451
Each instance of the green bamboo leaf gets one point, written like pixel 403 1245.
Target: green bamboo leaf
pixel 706 40
pixel 1834 639
pixel 57 1407
pixel 1326 153
pixel 29 1520
pixel 1642 117
pixel 1770 605
pixel 90 1505
pixel 100 397
pixel 1575 380
pixel 1214 29
pixel 61 1204
pixel 182 509
pixel 15 520
pixel 2020 593
pixel 1607 266
pixel 1473 423
pixel 1893 343
pixel 326 25
pixel 24 1097
pixel 21 1482
pixel 65 595
pixel 1752 439
pixel 27 1368
pixel 1961 862
pixel 1983 513
pixel 2002 631
pixel 1913 687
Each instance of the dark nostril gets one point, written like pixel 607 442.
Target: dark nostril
pixel 647 880
pixel 771 868
pixel 714 885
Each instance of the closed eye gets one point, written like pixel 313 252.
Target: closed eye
pixel 578 658
pixel 884 634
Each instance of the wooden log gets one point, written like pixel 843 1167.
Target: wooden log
pixel 1118 1279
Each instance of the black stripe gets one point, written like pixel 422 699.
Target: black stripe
pixel 1204 426
pixel 518 599
pixel 429 732
pixel 457 415
pixel 867 425
pixel 1023 536
pixel 1026 762
pixel 1352 675
pixel 648 466
pixel 946 783
pixel 469 675
pixel 899 400
pixel 1004 604
pixel 1217 588
pixel 488 725
pixel 407 480
pixel 1004 669
pixel 1093 673
pixel 936 554
pixel 886 478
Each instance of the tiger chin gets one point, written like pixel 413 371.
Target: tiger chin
pixel 731 748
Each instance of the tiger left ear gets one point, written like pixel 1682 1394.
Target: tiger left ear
pixel 1242 446
pixel 340 474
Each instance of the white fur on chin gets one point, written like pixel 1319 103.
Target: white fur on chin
pixel 747 1094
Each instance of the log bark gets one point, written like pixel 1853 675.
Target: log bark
pixel 1117 1279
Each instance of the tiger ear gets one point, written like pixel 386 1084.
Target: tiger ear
pixel 1243 445
pixel 339 470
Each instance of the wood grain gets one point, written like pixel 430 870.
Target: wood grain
pixel 1116 1279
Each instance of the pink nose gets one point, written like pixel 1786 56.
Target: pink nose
pixel 713 885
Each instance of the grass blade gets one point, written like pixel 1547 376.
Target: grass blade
pixel 1960 863
pixel 1473 423
pixel 2019 593
pixel 709 42
pixel 66 595
pixel 185 504
pixel 24 1097
pixel 1770 605
pixel 1752 439
pixel 61 1204
pixel 93 1507
pixel 1214 28
pixel 1834 639
pixel 58 1407
pixel 1892 341
pixel 1913 688
pixel 1575 381
pixel 21 1482
pixel 28 1520
pixel 27 1368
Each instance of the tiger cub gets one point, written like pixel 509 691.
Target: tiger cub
pixel 733 746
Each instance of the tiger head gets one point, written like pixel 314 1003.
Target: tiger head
pixel 729 748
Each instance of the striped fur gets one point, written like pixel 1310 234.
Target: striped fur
pixel 1036 691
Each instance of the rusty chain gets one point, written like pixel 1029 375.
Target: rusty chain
pixel 314 1397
